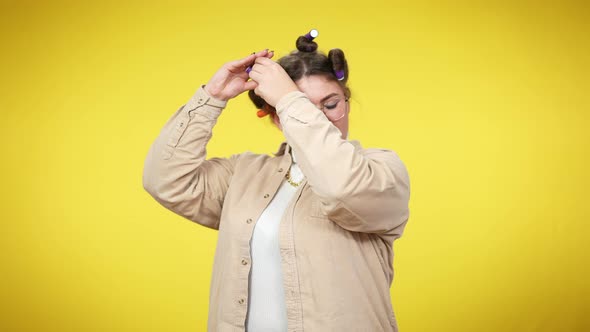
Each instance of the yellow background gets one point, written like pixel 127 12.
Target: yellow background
pixel 486 103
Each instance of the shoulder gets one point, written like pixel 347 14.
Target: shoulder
pixel 376 153
pixel 386 157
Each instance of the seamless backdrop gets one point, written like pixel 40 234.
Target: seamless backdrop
pixel 485 102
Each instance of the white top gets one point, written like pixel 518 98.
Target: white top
pixel 266 303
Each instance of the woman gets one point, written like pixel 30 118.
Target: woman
pixel 305 236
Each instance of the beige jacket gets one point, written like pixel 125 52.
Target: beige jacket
pixel 336 236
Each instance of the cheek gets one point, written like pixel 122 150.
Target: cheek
pixel 342 125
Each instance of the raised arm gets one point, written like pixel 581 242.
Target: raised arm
pixel 363 191
pixel 176 172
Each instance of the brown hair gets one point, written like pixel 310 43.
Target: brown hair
pixel 307 61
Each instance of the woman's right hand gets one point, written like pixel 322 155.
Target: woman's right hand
pixel 232 79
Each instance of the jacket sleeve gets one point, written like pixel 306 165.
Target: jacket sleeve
pixel 176 173
pixel 362 191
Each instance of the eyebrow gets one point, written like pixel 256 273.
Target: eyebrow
pixel 328 97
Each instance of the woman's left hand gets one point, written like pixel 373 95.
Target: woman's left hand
pixel 273 82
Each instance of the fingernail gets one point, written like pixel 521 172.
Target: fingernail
pixel 253 53
pixel 271 51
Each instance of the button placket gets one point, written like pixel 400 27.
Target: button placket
pixel 289 266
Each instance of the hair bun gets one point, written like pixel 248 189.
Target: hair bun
pixel 339 64
pixel 305 45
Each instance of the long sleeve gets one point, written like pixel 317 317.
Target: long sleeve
pixel 362 191
pixel 176 173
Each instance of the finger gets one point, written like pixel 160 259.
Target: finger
pixel 250 85
pixel 264 52
pixel 264 61
pixel 259 54
pixel 257 68
pixel 255 74
pixel 247 61
pixel 242 63
pixel 270 54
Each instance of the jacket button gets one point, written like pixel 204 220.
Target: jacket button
pixel 249 221
pixel 266 195
pixel 244 262
pixel 241 301
pixel 280 169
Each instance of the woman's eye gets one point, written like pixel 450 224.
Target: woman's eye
pixel 331 106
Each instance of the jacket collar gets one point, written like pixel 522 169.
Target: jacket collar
pixel 282 148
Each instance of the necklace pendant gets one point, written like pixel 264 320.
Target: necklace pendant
pixel 290 180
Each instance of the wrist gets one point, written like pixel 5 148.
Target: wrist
pixel 202 97
pixel 283 94
pixel 287 99
pixel 214 94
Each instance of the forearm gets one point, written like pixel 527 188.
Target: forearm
pixel 175 168
pixel 373 187
pixel 321 152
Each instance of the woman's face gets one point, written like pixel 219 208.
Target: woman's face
pixel 327 96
